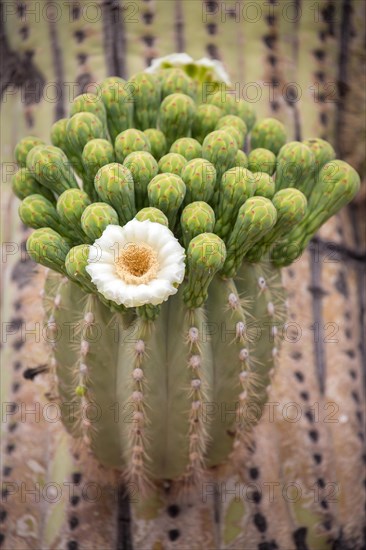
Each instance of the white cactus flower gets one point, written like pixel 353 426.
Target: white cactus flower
pixel 219 73
pixel 174 59
pixel 218 70
pixel 140 263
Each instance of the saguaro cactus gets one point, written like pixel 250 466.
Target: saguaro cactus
pixel 169 280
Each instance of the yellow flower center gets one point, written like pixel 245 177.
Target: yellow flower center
pixel 137 264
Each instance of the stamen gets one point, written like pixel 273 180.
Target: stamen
pixel 137 264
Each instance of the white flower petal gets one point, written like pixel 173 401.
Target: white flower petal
pixel 217 68
pixel 174 59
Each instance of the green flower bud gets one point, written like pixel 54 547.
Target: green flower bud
pixel 220 149
pixel 174 81
pixel 75 263
pixel 205 121
pixel 236 186
pixel 90 103
pixel 205 257
pixel 23 147
pixel 130 141
pixel 36 211
pixel 197 217
pixel 143 168
pixel 146 96
pixel 246 113
pixel 59 139
pixel 229 122
pixel 70 207
pixel 241 159
pixel 188 147
pixel 224 101
pixel 96 217
pixel 152 214
pixel 51 168
pixel 24 184
pixel 295 167
pixel 291 206
pixel 262 160
pixel 176 116
pixel 46 247
pixel 172 163
pixel 82 128
pixel 199 176
pixel 114 185
pixel 166 192
pixel 159 146
pixel 322 150
pixel 265 185
pixel 96 153
pixel 256 217
pixel 117 96
pixel 268 133
pixel 236 135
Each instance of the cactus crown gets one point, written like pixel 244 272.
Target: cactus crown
pixel 138 199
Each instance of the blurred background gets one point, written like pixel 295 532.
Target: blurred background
pixel 299 61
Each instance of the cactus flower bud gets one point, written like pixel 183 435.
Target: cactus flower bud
pixel 75 264
pixel 166 192
pixel 157 141
pixel 96 217
pixel 70 207
pixel 199 175
pixel 117 98
pixel 24 184
pixel 205 257
pixel 146 96
pixel 220 149
pixel 205 121
pixel 152 214
pixel 197 217
pixel 241 159
pixel 223 100
pixel 236 186
pixel 114 185
pixel 176 116
pixel 188 147
pixel 82 128
pixel 246 112
pixel 143 168
pixel 36 212
pixel 130 141
pixel 322 150
pixel 51 168
pixel 90 103
pixel 46 247
pixel 176 81
pixel 295 167
pixel 262 160
pixel 60 139
pixel 268 133
pixel 172 163
pixel 96 153
pixel 228 122
pixel 256 217
pixel 265 185
pixel 23 147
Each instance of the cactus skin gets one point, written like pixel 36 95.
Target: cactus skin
pixel 236 186
pixel 24 184
pixel 220 149
pixel 176 116
pixel 96 153
pixel 256 217
pixel 241 159
pixel 117 97
pixel 143 168
pixel 295 167
pixel 199 176
pixel 46 247
pixel 90 103
pixel 265 185
pixel 158 144
pixel 70 207
pixel 95 219
pixel 172 163
pixel 197 217
pixel 153 214
pixel 262 160
pixel 205 121
pixel 146 96
pixel 270 134
pixel 188 147
pixel 166 192
pixel 338 183
pixel 23 147
pixel 206 255
pixel 114 185
pixel 130 141
pixel 51 168
pixel 174 81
